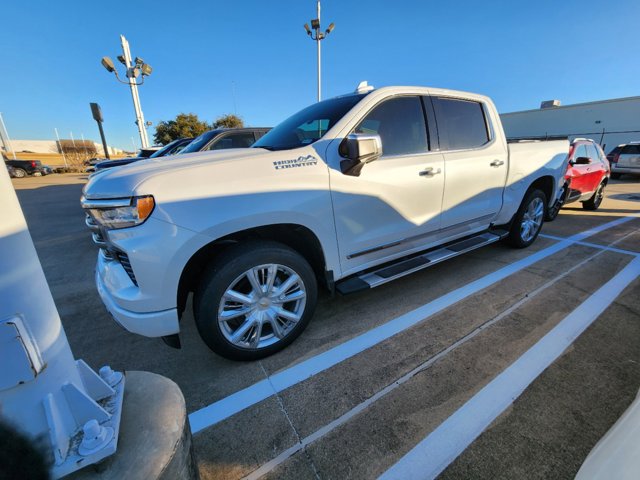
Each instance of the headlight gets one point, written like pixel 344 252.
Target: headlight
pixel 120 213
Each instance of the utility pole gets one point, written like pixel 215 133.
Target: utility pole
pixel 319 36
pixel 144 140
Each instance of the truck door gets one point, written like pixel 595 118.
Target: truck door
pixel 393 205
pixel 475 163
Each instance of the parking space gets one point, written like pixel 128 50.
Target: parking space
pixel 377 372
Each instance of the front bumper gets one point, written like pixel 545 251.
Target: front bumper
pixel 149 324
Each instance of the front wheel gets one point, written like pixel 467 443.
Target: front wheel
pixel 528 220
pixel 594 202
pixel 255 300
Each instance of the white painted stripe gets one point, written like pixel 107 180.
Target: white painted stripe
pixel 321 432
pixel 608 248
pixel 442 446
pixel 236 402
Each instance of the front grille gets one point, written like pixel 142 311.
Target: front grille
pixel 123 258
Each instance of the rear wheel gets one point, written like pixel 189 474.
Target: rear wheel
pixel 19 172
pixel 528 220
pixel 255 300
pixel 594 202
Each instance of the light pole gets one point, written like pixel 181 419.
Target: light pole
pixel 135 69
pixel 319 36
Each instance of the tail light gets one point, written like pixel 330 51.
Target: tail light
pixel 614 158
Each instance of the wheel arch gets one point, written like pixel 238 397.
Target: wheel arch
pixel 547 185
pixel 295 236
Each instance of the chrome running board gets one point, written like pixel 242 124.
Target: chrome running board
pixel 406 266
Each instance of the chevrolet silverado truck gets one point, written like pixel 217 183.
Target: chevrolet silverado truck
pixel 349 194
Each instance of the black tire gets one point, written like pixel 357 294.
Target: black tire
pixel 616 176
pixel 19 172
pixel 552 212
pixel 230 270
pixel 519 236
pixel 594 202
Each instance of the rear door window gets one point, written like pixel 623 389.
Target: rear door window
pixel 461 123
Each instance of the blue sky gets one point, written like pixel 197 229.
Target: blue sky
pixel 519 53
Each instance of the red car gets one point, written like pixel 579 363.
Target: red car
pixel 587 174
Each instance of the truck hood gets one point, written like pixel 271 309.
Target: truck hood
pixel 122 181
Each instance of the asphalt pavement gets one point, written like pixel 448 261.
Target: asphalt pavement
pixel 378 374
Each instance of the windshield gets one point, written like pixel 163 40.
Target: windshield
pixel 308 125
pixel 199 143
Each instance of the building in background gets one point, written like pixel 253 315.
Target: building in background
pixel 52 146
pixel 608 122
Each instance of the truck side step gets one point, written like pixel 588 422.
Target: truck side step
pixel 406 266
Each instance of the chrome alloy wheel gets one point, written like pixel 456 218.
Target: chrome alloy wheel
pixel 532 219
pixel 261 306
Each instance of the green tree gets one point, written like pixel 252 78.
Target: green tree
pixel 185 125
pixel 228 121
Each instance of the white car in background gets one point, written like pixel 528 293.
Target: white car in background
pixel 625 158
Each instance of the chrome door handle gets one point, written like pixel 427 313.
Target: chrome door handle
pixel 496 163
pixel 429 172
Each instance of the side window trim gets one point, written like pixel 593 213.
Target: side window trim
pixel 432 124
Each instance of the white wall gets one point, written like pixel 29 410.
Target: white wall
pixel 619 119
pixel 50 146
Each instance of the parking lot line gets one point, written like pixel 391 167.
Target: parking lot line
pixel 433 454
pixel 608 248
pixel 236 402
pixel 321 432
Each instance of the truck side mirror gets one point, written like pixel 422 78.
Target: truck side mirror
pixel 582 161
pixel 359 149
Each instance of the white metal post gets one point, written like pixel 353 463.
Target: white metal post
pixel 44 392
pixel 144 140
pixel 61 148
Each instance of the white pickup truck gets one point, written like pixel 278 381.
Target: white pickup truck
pixel 349 193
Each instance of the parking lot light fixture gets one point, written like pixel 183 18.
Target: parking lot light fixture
pixel 108 64
pixel 134 69
pixel 318 37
